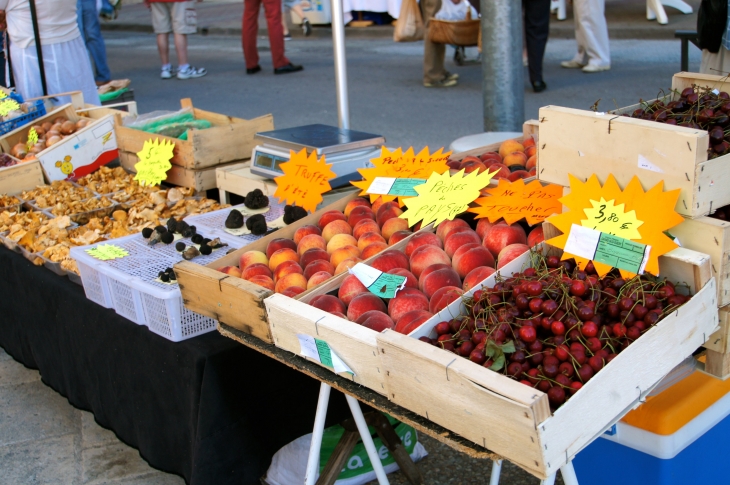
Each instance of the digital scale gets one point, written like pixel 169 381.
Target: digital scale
pixel 346 150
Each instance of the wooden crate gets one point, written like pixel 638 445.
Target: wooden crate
pixel 514 420
pixel 229 139
pixel 24 176
pixel 235 301
pixel 238 179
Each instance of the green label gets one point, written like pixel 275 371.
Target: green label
pixel 621 253
pixel 386 285
pixel 325 355
pixel 404 187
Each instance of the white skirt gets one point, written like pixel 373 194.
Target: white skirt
pixel 67 68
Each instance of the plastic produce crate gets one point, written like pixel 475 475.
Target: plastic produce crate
pixel 129 286
pixel 36 110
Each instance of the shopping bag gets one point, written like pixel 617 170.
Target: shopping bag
pixel 409 27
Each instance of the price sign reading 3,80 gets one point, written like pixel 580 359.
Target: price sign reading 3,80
pixel 607 217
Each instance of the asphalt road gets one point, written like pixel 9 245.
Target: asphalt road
pixel 385 90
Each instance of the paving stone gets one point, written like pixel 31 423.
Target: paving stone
pixel 157 478
pixel 12 373
pixel 92 434
pixel 111 462
pixel 4 355
pixel 50 461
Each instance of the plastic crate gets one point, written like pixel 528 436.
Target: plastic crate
pixel 136 295
pixel 36 110
pixel 215 222
pixel 94 283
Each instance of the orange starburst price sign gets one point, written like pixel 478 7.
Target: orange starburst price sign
pixel 402 165
pixel 513 201
pixel 304 181
pixel 616 228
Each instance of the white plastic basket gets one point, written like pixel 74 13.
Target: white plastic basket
pixel 215 223
pixel 94 283
pixel 134 292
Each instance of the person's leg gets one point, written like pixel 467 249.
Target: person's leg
pixel 595 30
pixel 272 10
pixel 284 26
pixel 94 40
pixel 537 28
pixel 162 26
pixel 433 54
pixel 579 59
pixel 181 49
pixel 249 30
pixel 163 47
pixel 306 26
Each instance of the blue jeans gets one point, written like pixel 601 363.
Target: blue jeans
pixel 88 19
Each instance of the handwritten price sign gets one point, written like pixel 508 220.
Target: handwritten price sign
pixel 512 201
pixel 304 181
pixel 606 216
pixel 154 162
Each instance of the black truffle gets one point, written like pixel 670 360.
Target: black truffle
pixel 161 229
pixel 187 232
pixel 256 200
pixel 293 213
pixel 180 246
pixel 146 232
pixel 234 220
pixel 167 237
pixel 256 224
pixel 159 275
pixel 205 240
pixel 172 224
pixel 164 278
pixel 172 275
pixel 182 225
pixel 205 249
pixel 196 239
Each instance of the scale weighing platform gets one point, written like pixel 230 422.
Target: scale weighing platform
pixel 346 150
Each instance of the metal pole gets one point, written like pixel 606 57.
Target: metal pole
pixel 496 472
pixel 313 461
pixel 338 41
pixel 367 440
pixel 503 83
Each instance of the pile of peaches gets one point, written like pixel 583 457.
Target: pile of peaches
pixel 340 240
pixel 439 267
pixel 514 160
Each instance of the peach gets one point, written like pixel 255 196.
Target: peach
pixel 255 270
pixel 356 202
pixel 346 264
pixel 330 216
pixel 292 279
pixel 501 169
pixel 406 301
pixel 483 227
pixel 313 254
pixel 312 241
pixel 360 213
pixel 318 278
pixel 443 297
pixel 456 230
pixel 365 226
pixel 285 268
pixel 412 320
pixel 368 238
pixel 292 291
pixel 531 163
pixel 281 255
pixel 364 302
pixel 502 236
pixel 398 236
pixel 387 211
pixel 535 237
pixel 476 276
pixel 446 226
pixel 459 239
pixel 423 239
pixel 350 288
pixel 518 174
pixel 391 226
pixel 390 259
pixel 469 158
pixel 375 320
pixel 516 158
pixel 533 172
pixel 411 281
pixel 425 256
pixel 317 266
pixel 490 157
pixel 279 243
pixel 462 250
pixel 453 164
pixel 429 270
pixel 511 252
pixel 339 314
pixel 305 231
pixel 531 151
pixel 343 253
pixel 473 258
pixel 231 271
pixel 340 240
pixel 252 257
pixel 510 146
pixel 334 228
pixel 264 281
pixel 328 303
pixel 529 141
pixel 439 279
pixel 472 166
pixel 372 249
pixel 376 205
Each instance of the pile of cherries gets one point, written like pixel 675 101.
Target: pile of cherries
pixel 697 108
pixel 553 326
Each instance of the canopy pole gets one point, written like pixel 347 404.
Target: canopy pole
pixel 503 85
pixel 338 41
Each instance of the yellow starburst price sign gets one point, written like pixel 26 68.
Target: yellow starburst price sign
pixel 154 162
pixel 401 165
pixel 7 105
pixel 444 196
pixel 616 220
pixel 304 181
pixel 32 138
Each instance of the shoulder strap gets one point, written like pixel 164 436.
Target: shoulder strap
pixel 38 48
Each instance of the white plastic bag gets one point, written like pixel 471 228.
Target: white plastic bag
pixel 455 11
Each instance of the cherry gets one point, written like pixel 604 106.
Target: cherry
pixel 536 359
pixel 556 395
pixel 575 387
pixel 526 382
pixel 665 291
pixel 479 337
pixel 530 273
pixel 528 334
pixel 442 328
pixel 561 353
pixel 596 363
pixel 640 311
pixel 613 310
pixel 546 323
pixel 579 356
pixel 557 327
pixel 651 318
pixel 578 288
pixel 549 307
pixel 514 369
pixel 619 330
pixel 589 329
pixel 617 283
pixel 447 346
pixel 593 344
pixel 535 305
pixel 489 363
pixel 518 356
pixel 455 325
pixel 533 375
pixel 632 333
pixel 544 385
pixel 641 325
pixel 464 335
pixel 585 313
pixel 477 356
pixel 552 261
pixel 590 269
pixel 465 348
pixel 533 288
pixel 425 339
pixel 566 369
pixel 445 337
pixel 585 372
pixel 522 301
pixel 626 304
pixel 550 370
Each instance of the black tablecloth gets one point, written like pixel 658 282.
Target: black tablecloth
pixel 208 408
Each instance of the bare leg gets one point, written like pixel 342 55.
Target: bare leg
pixel 163 47
pixel 181 47
pixel 298 10
pixel 283 21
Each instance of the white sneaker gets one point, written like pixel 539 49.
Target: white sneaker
pixel 590 68
pixel 572 64
pixel 191 72
pixel 166 73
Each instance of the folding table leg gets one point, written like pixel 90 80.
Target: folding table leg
pixel 319 418
pixel 496 471
pixel 367 440
pixel 568 473
pixel 549 480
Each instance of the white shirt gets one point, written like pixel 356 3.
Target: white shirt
pixel 56 21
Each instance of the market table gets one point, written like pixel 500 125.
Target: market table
pixel 208 408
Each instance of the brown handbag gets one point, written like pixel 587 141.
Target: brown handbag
pixel 455 32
